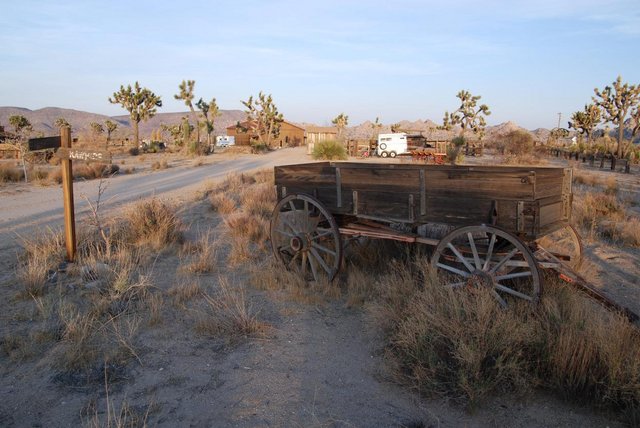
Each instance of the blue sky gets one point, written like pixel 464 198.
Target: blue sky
pixel 395 60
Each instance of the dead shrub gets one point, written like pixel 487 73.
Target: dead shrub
pixel 459 343
pixel 10 174
pixel 162 164
pixel 185 291
pixel 258 200
pixel 229 314
pixel 92 171
pixel 246 226
pixel 591 208
pixel 222 203
pixel 41 256
pixel 150 222
pixel 203 255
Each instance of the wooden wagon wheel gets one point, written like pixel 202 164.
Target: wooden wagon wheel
pixel 491 258
pixel 306 238
pixel 565 244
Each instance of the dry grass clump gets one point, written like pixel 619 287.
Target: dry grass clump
pixel 222 203
pixel 459 343
pixel 10 174
pixel 202 256
pixel 243 225
pixel 90 171
pixel 229 314
pixel 162 164
pixel 259 200
pixel 41 257
pixel 184 291
pixel 152 223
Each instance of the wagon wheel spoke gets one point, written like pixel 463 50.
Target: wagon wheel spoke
pixel 454 270
pixel 291 226
pixel 326 268
pixel 285 233
pixel 303 265
pixel 324 249
pixel 504 260
pixel 293 259
pixel 314 272
pixel 474 250
pixel 322 234
pixel 499 298
pixel 460 256
pixel 513 275
pixel 512 292
pixel 492 242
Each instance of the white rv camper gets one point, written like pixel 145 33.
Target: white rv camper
pixel 391 145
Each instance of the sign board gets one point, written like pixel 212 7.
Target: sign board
pixel 44 143
pixel 86 155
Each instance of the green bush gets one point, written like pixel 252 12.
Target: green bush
pixel 329 150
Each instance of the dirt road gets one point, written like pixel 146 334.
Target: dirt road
pixel 26 209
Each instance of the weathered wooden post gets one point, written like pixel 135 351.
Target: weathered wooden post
pixel 67 194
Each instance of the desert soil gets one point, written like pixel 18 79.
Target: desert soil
pixel 320 364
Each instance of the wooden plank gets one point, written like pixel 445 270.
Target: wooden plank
pixel 477 184
pixel 67 197
pixel 44 143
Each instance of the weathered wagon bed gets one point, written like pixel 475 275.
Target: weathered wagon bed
pixel 531 202
pixel 495 226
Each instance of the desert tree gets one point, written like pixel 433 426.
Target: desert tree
pixel 586 121
pixel 110 127
pixel 469 115
pixel 375 127
pixel 263 120
pixel 141 103
pixel 616 102
pixel 186 94
pixel 396 127
pixel 96 130
pixel 22 129
pixel 60 122
pixel 209 112
pixel 341 121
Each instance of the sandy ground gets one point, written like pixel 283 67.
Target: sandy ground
pixel 320 364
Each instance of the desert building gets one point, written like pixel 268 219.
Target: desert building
pixel 290 135
pixel 318 134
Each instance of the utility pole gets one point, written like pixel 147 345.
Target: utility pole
pixel 559 119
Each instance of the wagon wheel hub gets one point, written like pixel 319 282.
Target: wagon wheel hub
pixel 299 243
pixel 482 279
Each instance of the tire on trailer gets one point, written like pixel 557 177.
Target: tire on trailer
pixel 384 154
pixel 305 238
pixel 490 258
pixel 392 154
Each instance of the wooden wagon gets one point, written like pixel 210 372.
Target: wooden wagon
pixel 489 226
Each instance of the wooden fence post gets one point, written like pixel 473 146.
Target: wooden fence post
pixel 67 194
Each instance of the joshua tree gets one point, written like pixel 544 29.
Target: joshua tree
pixel 616 102
pixel 263 119
pixel 209 112
pixel 111 127
pixel 22 128
pixel 141 104
pixel 60 122
pixel 585 121
pixel 341 121
pixel 376 126
pixel 21 124
pixel 468 115
pixel 395 127
pixel 186 94
pixel 96 130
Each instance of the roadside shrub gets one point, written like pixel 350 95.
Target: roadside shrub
pixel 459 343
pixel 160 165
pixel 517 142
pixel 10 174
pixel 150 222
pixel 92 171
pixel 134 151
pixel 329 150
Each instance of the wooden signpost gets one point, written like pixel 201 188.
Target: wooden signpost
pixel 67 156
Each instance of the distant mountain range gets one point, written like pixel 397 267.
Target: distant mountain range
pixel 43 120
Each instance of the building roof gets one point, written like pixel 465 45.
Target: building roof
pixel 321 129
pixel 246 123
